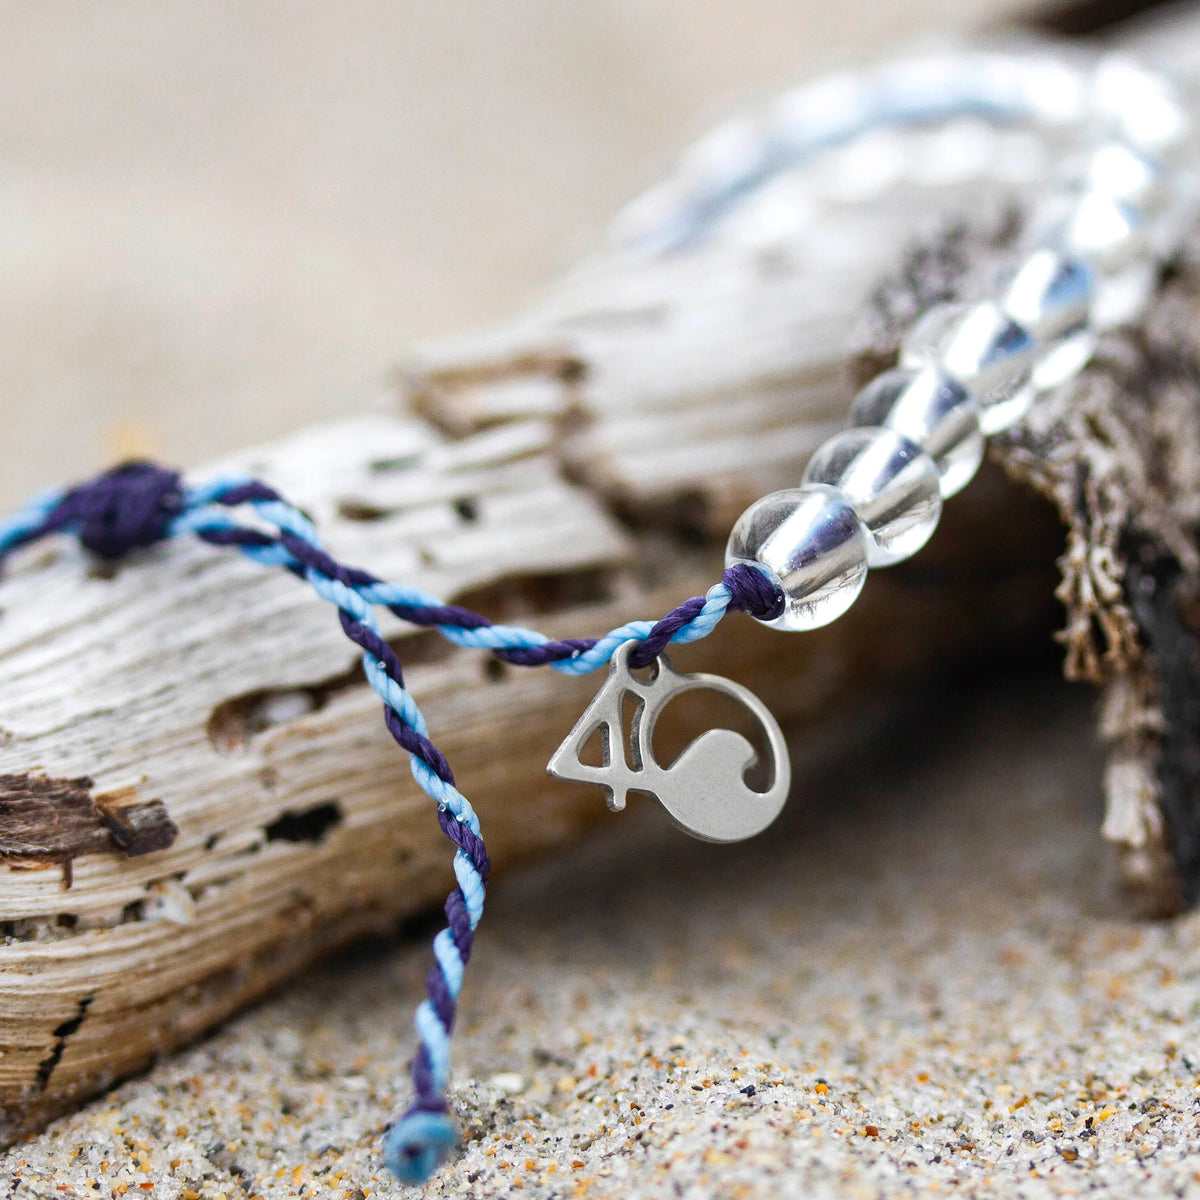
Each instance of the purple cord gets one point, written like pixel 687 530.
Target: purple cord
pixel 135 505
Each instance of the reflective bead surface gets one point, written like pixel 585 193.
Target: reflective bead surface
pixel 811 542
pixel 931 409
pixel 1118 242
pixel 1139 104
pixel 1121 296
pixel 1065 358
pixel 1121 172
pixel 982 348
pixel 892 484
pixel 1109 234
pixel 1051 295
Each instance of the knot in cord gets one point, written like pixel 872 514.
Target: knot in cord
pixel 753 591
pixel 126 508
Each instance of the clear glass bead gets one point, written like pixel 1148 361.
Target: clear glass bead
pixel 1117 241
pixel 1139 104
pixel 1053 90
pixel 821 114
pixel 931 409
pixel 811 542
pixel 1065 359
pixel 982 348
pixel 1121 296
pixel 892 484
pixel 724 158
pixel 1051 295
pixel 1123 173
pixel 1108 233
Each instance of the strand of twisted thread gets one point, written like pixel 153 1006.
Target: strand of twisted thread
pixel 139 504
pixel 418 1142
pixel 742 588
pixel 421 1138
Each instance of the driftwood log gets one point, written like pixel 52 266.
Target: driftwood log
pixel 197 796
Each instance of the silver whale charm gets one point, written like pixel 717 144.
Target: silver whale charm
pixel 704 791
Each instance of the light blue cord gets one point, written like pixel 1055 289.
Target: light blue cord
pixel 14 527
pixel 208 514
pixel 422 1138
pixel 419 1142
pixel 416 1145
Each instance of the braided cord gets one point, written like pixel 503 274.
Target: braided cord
pixel 138 504
pixel 29 523
pixel 742 588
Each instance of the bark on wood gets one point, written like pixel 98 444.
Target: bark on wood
pixel 200 796
pixel 1118 454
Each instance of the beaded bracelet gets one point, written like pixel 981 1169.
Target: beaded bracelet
pixel 796 559
pixel 872 496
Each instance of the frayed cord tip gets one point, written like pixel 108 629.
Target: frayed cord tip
pixel 418 1144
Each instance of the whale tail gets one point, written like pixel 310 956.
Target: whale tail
pixel 704 790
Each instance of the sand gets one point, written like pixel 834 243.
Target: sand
pixel 923 983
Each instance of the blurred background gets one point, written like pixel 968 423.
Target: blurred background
pixel 220 221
